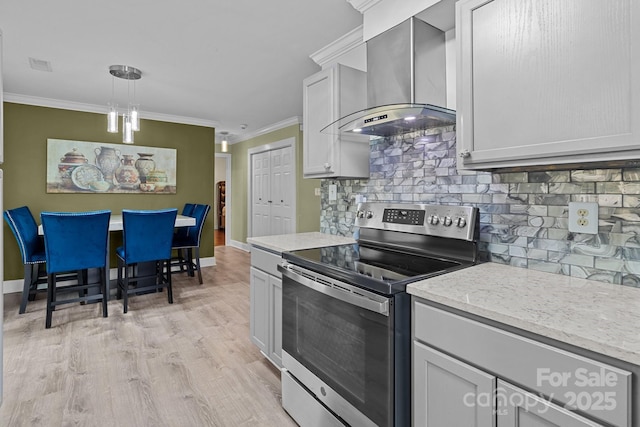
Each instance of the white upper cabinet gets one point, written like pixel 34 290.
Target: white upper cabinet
pixel 328 95
pixel 547 82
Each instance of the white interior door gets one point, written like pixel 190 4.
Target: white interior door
pixel 281 191
pixel 261 188
pixel 273 189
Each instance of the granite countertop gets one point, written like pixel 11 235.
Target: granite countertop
pixel 597 316
pixel 296 241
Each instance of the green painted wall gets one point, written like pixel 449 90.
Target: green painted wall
pixel 307 204
pixel 26 130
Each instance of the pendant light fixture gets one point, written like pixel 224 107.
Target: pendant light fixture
pixel 130 119
pixel 112 117
pixel 224 143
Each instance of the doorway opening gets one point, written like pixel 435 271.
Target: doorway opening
pixel 222 200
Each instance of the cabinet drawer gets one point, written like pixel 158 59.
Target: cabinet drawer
pixel 266 261
pixel 573 381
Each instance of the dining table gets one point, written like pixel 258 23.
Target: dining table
pixel 116 224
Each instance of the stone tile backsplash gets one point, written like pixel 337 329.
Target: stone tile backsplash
pixel 523 215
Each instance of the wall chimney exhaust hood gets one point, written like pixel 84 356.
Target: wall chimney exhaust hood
pixel 406 80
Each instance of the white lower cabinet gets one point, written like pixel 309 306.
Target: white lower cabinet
pixel 467 373
pixel 265 320
pixel 519 408
pixel 446 391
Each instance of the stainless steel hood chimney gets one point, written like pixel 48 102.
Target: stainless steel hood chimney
pixel 405 77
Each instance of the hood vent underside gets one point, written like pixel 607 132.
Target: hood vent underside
pixel 393 119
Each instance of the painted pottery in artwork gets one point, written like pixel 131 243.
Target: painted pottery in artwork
pixel 158 178
pixel 127 175
pixel 108 160
pixel 145 164
pixel 68 163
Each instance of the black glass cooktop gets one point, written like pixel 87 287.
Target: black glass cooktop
pixel 380 270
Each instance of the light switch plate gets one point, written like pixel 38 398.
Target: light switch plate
pixel 583 217
pixel 333 192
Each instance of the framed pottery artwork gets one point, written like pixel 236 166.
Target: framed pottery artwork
pixel 94 167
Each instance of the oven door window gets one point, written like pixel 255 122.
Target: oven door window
pixel 347 347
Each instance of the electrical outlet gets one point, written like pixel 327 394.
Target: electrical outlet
pixel 583 217
pixel 316 191
pixel 333 192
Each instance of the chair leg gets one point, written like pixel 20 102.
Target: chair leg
pixel 189 262
pixel 26 287
pixel 104 287
pixel 159 265
pixel 181 259
pixel 83 279
pixel 125 293
pixel 40 270
pixel 119 283
pixel 197 250
pixel 51 283
pixel 169 288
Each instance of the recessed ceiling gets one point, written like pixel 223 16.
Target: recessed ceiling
pixel 221 63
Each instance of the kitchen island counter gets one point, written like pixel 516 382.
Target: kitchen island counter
pixel 596 316
pixel 297 241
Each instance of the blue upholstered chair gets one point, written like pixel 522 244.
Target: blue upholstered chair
pixel 147 237
pixel 181 232
pixel 188 242
pixel 25 230
pixel 76 241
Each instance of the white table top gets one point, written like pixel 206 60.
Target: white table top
pixel 116 224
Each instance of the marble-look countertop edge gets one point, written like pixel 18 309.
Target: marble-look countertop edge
pixel 297 241
pixel 593 310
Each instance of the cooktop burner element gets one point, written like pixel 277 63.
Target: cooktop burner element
pixel 398 244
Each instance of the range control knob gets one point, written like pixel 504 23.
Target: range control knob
pixel 360 214
pixel 461 222
pixel 433 219
pixel 369 214
pixel 447 221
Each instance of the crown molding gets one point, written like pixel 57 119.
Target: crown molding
pixel 363 5
pixel 332 51
pixel 267 129
pixel 101 109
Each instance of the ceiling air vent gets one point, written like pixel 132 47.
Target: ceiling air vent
pixel 40 64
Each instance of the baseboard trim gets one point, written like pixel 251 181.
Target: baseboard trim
pixel 239 245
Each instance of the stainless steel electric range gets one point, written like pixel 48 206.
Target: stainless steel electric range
pixel 347 316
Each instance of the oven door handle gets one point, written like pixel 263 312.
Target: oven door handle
pixel 375 303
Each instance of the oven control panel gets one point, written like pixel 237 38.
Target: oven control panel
pixel 437 220
pixel 403 216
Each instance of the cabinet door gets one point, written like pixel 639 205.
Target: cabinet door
pixel 448 392
pixel 519 408
pixel 319 109
pixel 544 82
pixel 275 320
pixel 259 308
pixel 328 95
pixel 260 194
pixel 281 197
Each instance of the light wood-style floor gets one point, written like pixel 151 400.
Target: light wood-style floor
pixel 186 364
pixel 218 237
